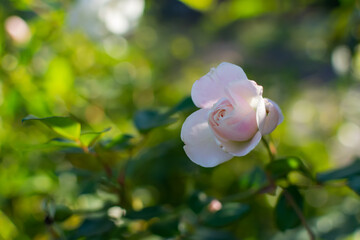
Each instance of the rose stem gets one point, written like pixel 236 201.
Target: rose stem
pixel 288 197
pixel 298 212
pixel 103 163
pixel 268 149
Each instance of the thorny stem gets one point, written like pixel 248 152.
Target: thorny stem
pixel 288 196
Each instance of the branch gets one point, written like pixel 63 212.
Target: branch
pixel 297 210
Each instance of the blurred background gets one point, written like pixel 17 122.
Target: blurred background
pixel 101 61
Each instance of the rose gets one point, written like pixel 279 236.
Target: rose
pixel 232 118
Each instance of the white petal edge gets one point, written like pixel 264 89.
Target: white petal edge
pixel 247 90
pixel 200 145
pixel 228 72
pixel 269 125
pixel 239 149
pixel 261 113
pixel 210 88
pixel 281 118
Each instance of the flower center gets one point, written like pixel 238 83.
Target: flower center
pixel 220 112
pixel 232 122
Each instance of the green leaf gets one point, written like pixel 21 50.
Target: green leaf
pixel 63 126
pixel 90 138
pixel 229 213
pixel 198 200
pixel 119 143
pixel 200 5
pixel 231 10
pixel 55 144
pixel 354 183
pixel 285 215
pixel 146 213
pixel 282 167
pixel 94 227
pixel 62 142
pixel 148 119
pixel 211 234
pixel 168 227
pixel 62 213
pixel 341 173
pixel 185 105
pixel 255 179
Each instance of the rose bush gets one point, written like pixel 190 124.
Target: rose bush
pixel 232 118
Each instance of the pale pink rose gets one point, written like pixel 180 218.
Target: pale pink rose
pixel 232 118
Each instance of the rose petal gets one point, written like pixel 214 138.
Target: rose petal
pixel 273 118
pixel 237 124
pixel 228 72
pixel 260 113
pixel 210 88
pixel 247 90
pixel 200 145
pixel 239 149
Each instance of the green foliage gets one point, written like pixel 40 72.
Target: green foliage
pixel 185 105
pixel 210 234
pixel 166 227
pixel 63 126
pixel 282 167
pixel 354 183
pixel 285 215
pixel 229 213
pixel 119 143
pixel 148 119
pixel 201 5
pixel 198 201
pixel 147 213
pixel 135 181
pixel 341 173
pixel 61 143
pixel 351 173
pixel 255 179
pixel 89 138
pixel 62 213
pixel 93 227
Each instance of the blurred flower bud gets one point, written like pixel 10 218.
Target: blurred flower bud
pixel 214 206
pixel 17 29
